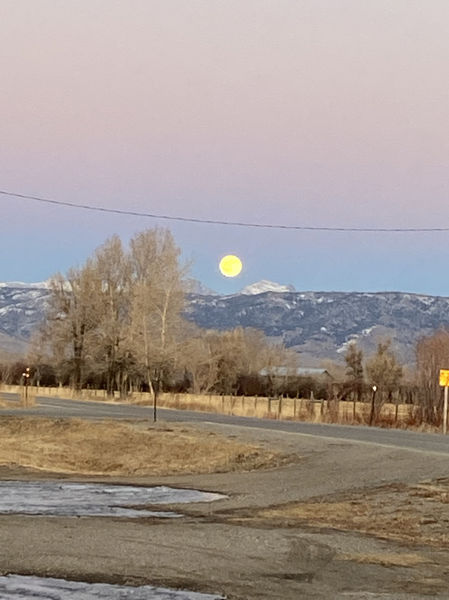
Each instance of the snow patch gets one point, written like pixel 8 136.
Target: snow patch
pixel 344 347
pixel 427 300
pixel 19 587
pixel 58 498
pixel 266 286
pixel 368 330
pixel 41 285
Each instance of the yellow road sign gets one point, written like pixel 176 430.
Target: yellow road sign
pixel 444 377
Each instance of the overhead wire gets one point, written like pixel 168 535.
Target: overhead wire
pixel 222 222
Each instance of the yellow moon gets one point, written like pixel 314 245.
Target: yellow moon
pixel 230 265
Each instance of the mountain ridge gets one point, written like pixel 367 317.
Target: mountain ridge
pixel 318 325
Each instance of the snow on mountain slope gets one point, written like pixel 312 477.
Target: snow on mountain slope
pixel 22 309
pixel 321 324
pixel 260 287
pixel 316 324
pixel 41 285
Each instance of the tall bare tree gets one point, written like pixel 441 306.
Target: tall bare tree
pixel 385 373
pixel 71 319
pixel 157 302
pixel 354 370
pixel 432 354
pixel 113 273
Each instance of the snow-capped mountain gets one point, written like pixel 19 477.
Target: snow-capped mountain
pixel 322 324
pixel 22 309
pixel 40 285
pixel 266 286
pixel 317 324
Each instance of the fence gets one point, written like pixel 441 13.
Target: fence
pixel 300 409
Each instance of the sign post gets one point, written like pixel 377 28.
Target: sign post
pixel 444 382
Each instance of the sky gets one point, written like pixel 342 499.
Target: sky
pixel 329 113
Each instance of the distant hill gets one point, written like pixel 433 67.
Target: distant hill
pixel 316 324
pixel 322 324
pixel 22 309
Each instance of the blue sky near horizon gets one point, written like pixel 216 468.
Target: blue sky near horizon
pixel 301 112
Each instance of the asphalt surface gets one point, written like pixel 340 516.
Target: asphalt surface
pixel 394 438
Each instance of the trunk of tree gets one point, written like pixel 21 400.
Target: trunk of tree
pixel 110 374
pixel 77 365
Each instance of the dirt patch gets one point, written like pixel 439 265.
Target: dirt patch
pixel 112 448
pixel 417 514
pixel 386 559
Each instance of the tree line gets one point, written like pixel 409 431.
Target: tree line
pixel 117 322
pixel 380 378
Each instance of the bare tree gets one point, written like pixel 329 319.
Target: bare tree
pixel 157 303
pixel 200 358
pixel 216 360
pixel 384 372
pixel 354 370
pixel 432 354
pixel 113 273
pixel 71 318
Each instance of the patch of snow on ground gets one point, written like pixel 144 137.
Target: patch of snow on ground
pixel 17 587
pixel 344 347
pixel 60 498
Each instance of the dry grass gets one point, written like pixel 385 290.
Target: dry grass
pixel 357 515
pixel 413 514
pixel 387 559
pixel 97 448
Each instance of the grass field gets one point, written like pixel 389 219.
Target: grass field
pixel 417 514
pixel 111 448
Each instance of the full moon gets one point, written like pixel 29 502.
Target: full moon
pixel 230 265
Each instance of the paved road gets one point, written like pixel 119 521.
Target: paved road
pixel 422 442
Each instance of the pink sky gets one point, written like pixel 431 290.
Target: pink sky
pixel 318 112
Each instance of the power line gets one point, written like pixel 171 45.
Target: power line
pixel 146 215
